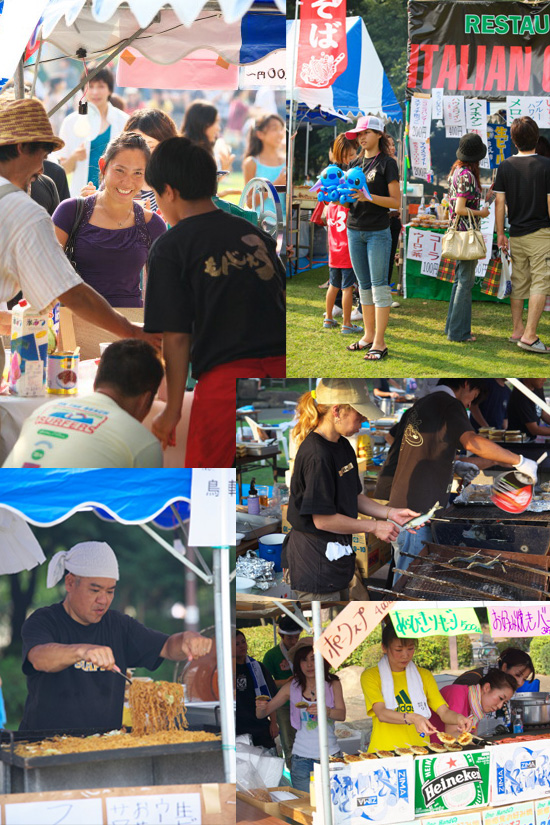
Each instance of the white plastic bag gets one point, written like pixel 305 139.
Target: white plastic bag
pixel 505 286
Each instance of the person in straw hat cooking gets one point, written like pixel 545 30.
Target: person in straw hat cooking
pixel 31 258
pixel 73 651
pixel 326 494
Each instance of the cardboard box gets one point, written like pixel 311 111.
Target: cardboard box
pixel 271 808
pixel 371 553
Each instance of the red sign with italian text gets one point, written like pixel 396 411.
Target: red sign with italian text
pixel 322 49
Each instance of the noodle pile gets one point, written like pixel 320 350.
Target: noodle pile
pixel 109 741
pixel 156 706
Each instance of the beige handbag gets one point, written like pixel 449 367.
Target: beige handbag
pixel 463 245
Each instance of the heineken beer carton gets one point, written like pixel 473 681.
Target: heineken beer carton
pixel 451 781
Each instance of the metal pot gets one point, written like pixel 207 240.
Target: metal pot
pixel 535 707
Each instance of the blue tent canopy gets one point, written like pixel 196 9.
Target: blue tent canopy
pixel 48 497
pixel 363 88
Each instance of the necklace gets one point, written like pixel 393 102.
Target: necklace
pixel 371 164
pixel 120 223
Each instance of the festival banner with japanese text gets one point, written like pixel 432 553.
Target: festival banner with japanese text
pixel 416 624
pixel 484 49
pixel 349 629
pixel 322 49
pixel 515 620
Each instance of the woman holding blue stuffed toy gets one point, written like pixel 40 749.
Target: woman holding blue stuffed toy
pixel 369 235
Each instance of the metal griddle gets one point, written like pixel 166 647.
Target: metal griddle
pixel 490 513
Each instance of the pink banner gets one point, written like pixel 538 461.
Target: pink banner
pixel 514 620
pixel 199 70
pixel 349 629
pixel 323 47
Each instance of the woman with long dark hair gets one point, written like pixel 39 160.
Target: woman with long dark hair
pixel 478 701
pixel 301 692
pixel 464 195
pixel 264 155
pixel 369 235
pixel 202 125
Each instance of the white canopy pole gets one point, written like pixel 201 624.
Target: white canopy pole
pixel 324 790
pixel 224 646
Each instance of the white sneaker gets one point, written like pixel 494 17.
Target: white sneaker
pixel 395 304
pixel 356 315
pixel 336 311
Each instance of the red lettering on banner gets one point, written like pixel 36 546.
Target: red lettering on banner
pixel 448 69
pixel 497 70
pixel 322 50
pixel 520 64
pixel 463 84
pixel 480 67
pixel 429 51
pixel 546 70
pixel 413 66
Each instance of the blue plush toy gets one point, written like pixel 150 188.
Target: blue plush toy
pixel 327 184
pixel 353 179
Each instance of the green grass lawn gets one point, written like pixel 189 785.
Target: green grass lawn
pixel 415 340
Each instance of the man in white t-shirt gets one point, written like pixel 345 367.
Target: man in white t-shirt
pixel 31 258
pixel 101 429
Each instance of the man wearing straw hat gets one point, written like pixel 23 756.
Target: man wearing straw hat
pixel 74 651
pixel 31 259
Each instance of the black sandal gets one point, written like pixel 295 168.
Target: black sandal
pixel 356 346
pixel 377 354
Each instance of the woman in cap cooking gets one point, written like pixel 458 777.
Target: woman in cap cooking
pixel 301 692
pixel 326 494
pixel 369 234
pixel 401 698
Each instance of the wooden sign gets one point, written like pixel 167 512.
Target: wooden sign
pixel 349 629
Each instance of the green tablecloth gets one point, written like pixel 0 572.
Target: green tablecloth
pixel 425 286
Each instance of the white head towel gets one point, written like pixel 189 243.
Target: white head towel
pixel 89 558
pixel 414 685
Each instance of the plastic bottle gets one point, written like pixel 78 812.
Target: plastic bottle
pixel 518 722
pixel 275 500
pixel 422 207
pixel 253 505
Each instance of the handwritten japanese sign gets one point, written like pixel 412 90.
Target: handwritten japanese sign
pixel 437 104
pixel 537 108
pixel 420 123
pixel 473 818
pixel 414 624
pixel 513 620
pixel 349 629
pixel 521 814
pixel 213 501
pixel 421 159
pixel 542 811
pixel 415 248
pixel 499 144
pixel 323 49
pixel 476 114
pixel 269 71
pixel 156 809
pixel 55 812
pixel 454 115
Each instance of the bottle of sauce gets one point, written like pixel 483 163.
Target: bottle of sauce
pixel 253 499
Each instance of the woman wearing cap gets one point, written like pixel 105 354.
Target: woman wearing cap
pixel 301 692
pixel 464 194
pixel 326 493
pixel 369 234
pixel 401 698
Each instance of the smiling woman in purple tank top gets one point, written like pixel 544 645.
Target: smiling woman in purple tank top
pixel 115 233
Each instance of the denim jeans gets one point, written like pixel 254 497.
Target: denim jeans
pixel 459 317
pixel 410 543
pixel 370 256
pixel 300 770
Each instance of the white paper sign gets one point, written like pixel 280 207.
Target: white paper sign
pixel 431 250
pixel 519 772
pixel 421 159
pixel 515 107
pixel 453 110
pixel 157 809
pixel 542 812
pixel 437 104
pixel 420 124
pixel 55 812
pixel 269 71
pixel 430 268
pixel 415 248
pixel 476 115
pixel 213 502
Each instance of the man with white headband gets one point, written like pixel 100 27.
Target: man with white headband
pixel 73 650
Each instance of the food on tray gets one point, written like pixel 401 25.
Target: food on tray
pixel 109 741
pixel 465 739
pixel 446 738
pixel 367 755
pixel 337 759
pixel 156 706
pixel 436 747
pixel 352 757
pixel 302 705
pixel 384 754
pixel 418 750
pixel 453 748
pixel 403 751
pixel 261 794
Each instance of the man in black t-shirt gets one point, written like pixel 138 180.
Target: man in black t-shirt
pixel 435 428
pixel 522 184
pixel 215 290
pixel 249 674
pixel 524 414
pixel 74 651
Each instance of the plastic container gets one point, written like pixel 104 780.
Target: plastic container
pixel 269 548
